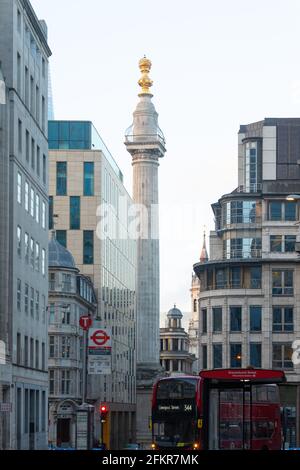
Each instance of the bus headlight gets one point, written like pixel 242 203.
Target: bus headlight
pixel 153 446
pixel 196 446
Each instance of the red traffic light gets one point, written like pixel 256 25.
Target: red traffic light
pixel 103 409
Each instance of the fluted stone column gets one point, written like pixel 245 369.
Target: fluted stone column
pixel 145 142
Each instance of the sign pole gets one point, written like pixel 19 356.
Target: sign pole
pixel 84 365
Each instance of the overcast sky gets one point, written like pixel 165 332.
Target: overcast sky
pixel 216 64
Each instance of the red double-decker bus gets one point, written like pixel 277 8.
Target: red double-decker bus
pixel 220 409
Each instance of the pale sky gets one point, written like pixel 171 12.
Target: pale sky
pixel 215 65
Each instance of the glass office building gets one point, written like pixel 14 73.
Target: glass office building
pixel 78 135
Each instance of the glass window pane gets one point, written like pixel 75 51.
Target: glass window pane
pixel 289 243
pixel 217 356
pixel 61 237
pixel 255 318
pixel 235 318
pixel 61 178
pixel 275 243
pixel 255 354
pixel 235 355
pixel 290 210
pixel 275 210
pixel 88 189
pixel 74 212
pixel 217 319
pixel 88 247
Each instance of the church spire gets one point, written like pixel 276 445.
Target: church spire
pixel 204 255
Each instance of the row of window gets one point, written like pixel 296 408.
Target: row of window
pixel 282 320
pixel 63 347
pixel 32 201
pixel 281 355
pixel 282 280
pixel 31 301
pixel 32 153
pixel 88 178
pixel 35 101
pixel 31 251
pixel 33 407
pixel 176 365
pixel 30 352
pixel 173 344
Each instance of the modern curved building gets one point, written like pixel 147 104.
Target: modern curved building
pixel 249 301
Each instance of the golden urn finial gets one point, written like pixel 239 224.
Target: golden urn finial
pixel 145 81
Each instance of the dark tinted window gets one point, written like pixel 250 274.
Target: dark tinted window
pixel 176 389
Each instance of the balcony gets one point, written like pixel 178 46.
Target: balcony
pixel 243 254
pixel 145 138
pixel 252 188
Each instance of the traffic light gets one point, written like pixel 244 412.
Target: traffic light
pixel 103 412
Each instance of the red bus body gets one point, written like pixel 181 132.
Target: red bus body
pixel 221 409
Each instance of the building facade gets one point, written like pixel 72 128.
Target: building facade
pixel 24 54
pixel 175 356
pixel 71 295
pixel 89 207
pixel 249 303
pixel 146 144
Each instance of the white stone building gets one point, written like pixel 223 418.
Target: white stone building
pixel 24 54
pixel 175 356
pixel 249 302
pixel 71 295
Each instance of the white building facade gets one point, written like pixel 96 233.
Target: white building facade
pixel 24 54
pixel 249 303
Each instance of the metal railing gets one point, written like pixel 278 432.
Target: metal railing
pixel 145 138
pixel 252 188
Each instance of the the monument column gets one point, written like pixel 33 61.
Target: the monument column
pixel 145 142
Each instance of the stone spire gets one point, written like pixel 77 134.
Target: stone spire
pixel 204 255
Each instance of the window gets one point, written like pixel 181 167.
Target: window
pixel 275 243
pixel 44 308
pixel 43 356
pixel 37 348
pixel 282 356
pixel 251 167
pixel 282 282
pixel 255 318
pixel 26 351
pixel 88 184
pixel 43 262
pixel 31 95
pixel 50 212
pixel 283 319
pixel 235 318
pixel 279 210
pixel 26 196
pixel 37 256
pixel 74 212
pixel 195 305
pixel 26 247
pixel 221 279
pixel 37 208
pixel 282 243
pixel 44 168
pixel 51 346
pixel 19 21
pixel 27 145
pixel 37 103
pixel 37 304
pixel 32 302
pixel 19 243
pixel 255 354
pixel 31 352
pixel 65 318
pixel 32 202
pixel 66 282
pixel 88 247
pixel 19 352
pixel 43 67
pixel 61 178
pixel 217 356
pixel 32 252
pixel 255 277
pixel 38 160
pixel 235 355
pixel 19 188
pixel 51 314
pixel 289 243
pixel 44 214
pixel 19 286
pixel 242 248
pixel 235 277
pixel 32 154
pixel 26 298
pixel 204 320
pixel 61 237
pixel 65 347
pixel 19 73
pixel 65 382
pixel 217 319
pixel 43 113
pixel 51 381
pixel 204 356
pixel 19 136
